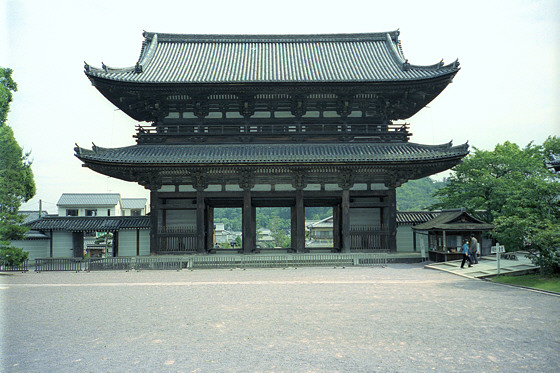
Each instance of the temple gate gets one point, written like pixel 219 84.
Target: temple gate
pixel 251 121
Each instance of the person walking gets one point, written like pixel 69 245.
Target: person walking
pixel 465 251
pixel 473 249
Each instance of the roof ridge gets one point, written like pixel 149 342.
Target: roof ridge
pixel 240 38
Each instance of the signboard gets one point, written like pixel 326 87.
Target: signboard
pixel 498 249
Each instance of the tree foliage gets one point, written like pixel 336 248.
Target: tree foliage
pixel 417 195
pixel 16 178
pixel 520 195
pixel 7 86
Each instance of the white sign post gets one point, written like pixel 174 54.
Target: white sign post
pixel 498 250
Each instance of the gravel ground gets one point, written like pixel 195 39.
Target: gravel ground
pixel 402 318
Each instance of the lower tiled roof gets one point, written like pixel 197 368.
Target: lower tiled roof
pixel 90 224
pixel 456 219
pixel 317 153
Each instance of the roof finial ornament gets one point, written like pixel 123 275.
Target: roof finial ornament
pixel 103 66
pixel 86 67
pixel 406 65
pixel 138 68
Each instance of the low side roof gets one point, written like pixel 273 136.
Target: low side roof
pixel 330 58
pixel 454 220
pixel 89 199
pixel 90 224
pixel 29 216
pixel 415 217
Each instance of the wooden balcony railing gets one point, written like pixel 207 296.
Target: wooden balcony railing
pixel 162 132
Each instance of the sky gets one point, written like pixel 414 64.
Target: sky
pixel 508 88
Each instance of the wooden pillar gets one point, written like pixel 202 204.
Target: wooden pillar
pixel 337 228
pixel 115 243
pixel 78 244
pixel 293 228
pixel 346 239
pixel 137 242
pixel 200 222
pixel 51 244
pixel 392 219
pixel 210 239
pixel 300 221
pixel 154 213
pixel 248 230
pixel 254 226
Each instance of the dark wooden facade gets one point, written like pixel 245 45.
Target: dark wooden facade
pixel 252 121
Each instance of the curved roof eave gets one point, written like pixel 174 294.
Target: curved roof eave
pixel 269 154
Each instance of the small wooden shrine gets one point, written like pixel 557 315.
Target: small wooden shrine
pixel 252 121
pixel 447 232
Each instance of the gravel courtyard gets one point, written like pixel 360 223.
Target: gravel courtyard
pixel 402 318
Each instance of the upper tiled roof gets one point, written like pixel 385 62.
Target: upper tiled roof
pixel 89 199
pixel 207 59
pixel 90 224
pixel 224 154
pixel 134 203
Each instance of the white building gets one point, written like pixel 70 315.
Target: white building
pixel 100 204
pixel 133 206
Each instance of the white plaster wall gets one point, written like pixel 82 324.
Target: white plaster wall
pixel 35 248
pixel 63 246
pixel 127 243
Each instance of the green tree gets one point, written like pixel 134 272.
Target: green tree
pixel 518 192
pixel 417 195
pixel 16 178
pixel 7 86
pixel 278 229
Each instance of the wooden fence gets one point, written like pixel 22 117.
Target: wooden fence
pixel 59 264
pixel 20 268
pixel 211 261
pixel 367 239
pixel 175 240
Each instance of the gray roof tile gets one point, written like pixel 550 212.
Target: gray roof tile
pixel 415 217
pixel 174 58
pixel 457 220
pixel 89 199
pixel 90 224
pixel 134 203
pixel 212 154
